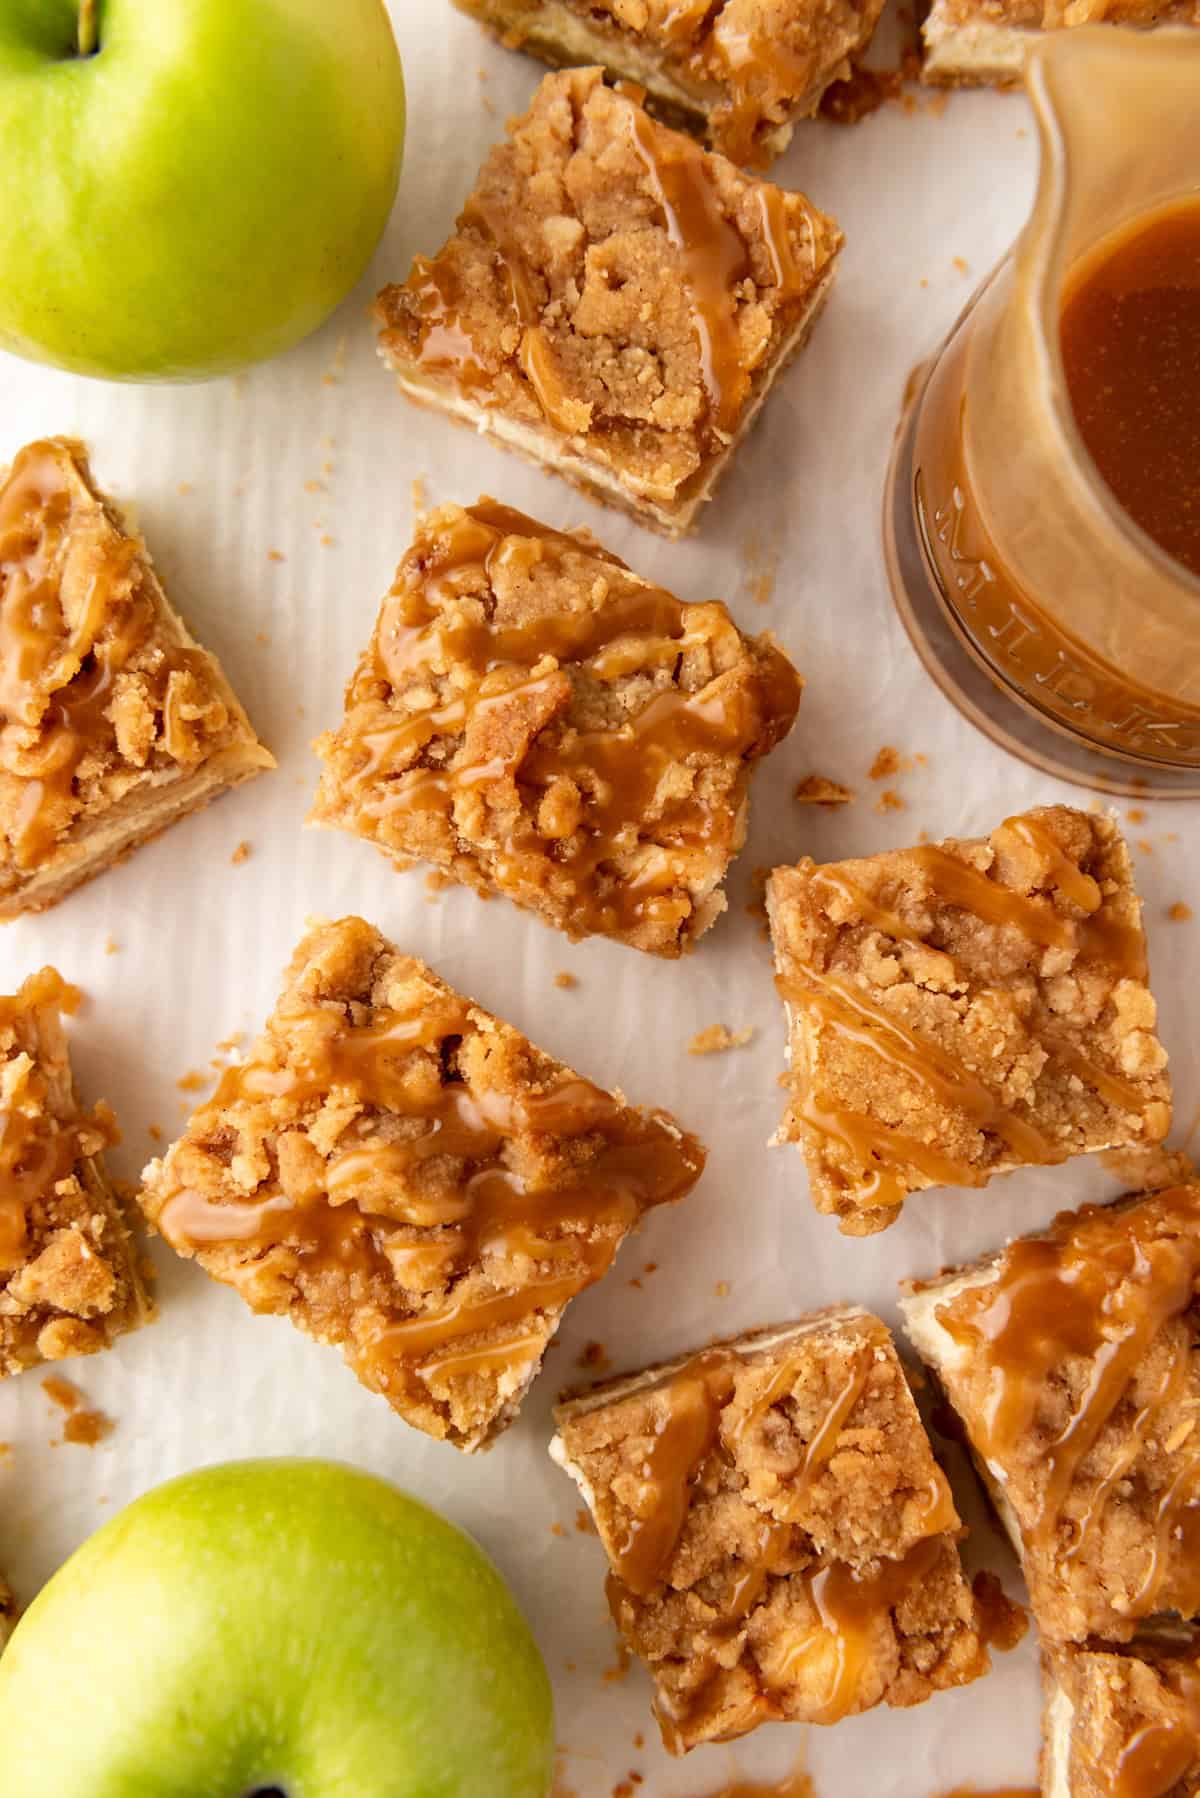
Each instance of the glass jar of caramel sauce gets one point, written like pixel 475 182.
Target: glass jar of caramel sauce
pixel 1042 512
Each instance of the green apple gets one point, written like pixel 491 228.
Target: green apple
pixel 189 185
pixel 290 1627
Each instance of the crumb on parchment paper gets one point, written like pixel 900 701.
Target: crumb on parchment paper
pixel 84 1425
pixel 818 789
pixel 111 946
pixel 241 854
pixel 715 1039
pixel 1179 913
pixel 888 760
pixel 193 1081
pixel 566 981
pixel 890 801
pixel 1004 1622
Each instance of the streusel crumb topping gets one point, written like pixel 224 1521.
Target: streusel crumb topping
pixel 409 1178
pixel 782 1541
pixel 1078 1377
pixel 1134 1712
pixel 100 694
pixel 611 279
pixel 68 1280
pixel 536 720
pixel 963 1008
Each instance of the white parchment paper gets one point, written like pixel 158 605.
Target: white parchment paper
pixel 312 457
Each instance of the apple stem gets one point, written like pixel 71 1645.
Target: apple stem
pixel 87 27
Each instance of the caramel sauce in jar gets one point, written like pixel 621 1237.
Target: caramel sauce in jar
pixel 1015 635
pixel 1130 340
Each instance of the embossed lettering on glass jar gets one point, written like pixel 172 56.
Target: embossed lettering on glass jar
pixel 1036 601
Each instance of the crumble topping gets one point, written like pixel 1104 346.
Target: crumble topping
pixel 1135 1716
pixel 102 693
pixel 536 720
pixel 68 1281
pixel 1049 15
pixel 782 1541
pixel 409 1178
pixel 1074 1362
pixel 610 280
pixel 960 1009
pixel 741 70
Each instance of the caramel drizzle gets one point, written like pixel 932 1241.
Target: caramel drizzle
pixel 752 65
pixel 445 340
pixel 38 1146
pixel 713 256
pixel 885 1153
pixel 57 680
pixel 1161 1754
pixel 686 1425
pixel 848 1610
pixel 851 1014
pixel 453 1204
pixel 688 1430
pixel 1103 1286
pixel 615 774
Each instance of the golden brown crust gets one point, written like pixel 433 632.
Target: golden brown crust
pixel 961 1009
pixel 613 296
pixel 69 1279
pixel 537 721
pixel 112 721
pixel 782 1540
pixel 1135 1709
pixel 971 43
pixel 409 1178
pixel 1073 1359
pixel 738 73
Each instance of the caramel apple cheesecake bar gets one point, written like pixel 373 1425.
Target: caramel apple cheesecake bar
pixel 69 1277
pixel 738 74
pixel 1073 1361
pixel 1123 1721
pixel 113 721
pixel 614 302
pixel 407 1177
pixel 981 42
pixel 960 1009
pixel 782 1543
pixel 536 720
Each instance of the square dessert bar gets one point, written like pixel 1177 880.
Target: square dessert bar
pixel 69 1279
pixel 113 722
pixel 1123 1720
pixel 409 1178
pixel 614 302
pixel 738 74
pixel 538 721
pixel 1073 1360
pixel 964 1008
pixel 782 1543
pixel 973 42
